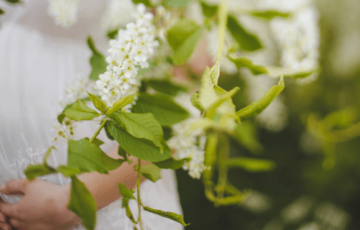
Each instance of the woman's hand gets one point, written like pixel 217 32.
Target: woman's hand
pixel 43 206
pixel 4 224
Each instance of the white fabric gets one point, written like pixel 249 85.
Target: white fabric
pixel 38 60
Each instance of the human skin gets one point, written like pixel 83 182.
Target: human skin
pixel 43 206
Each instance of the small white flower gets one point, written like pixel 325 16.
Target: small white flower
pixel 63 11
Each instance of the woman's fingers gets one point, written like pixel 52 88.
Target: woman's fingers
pixel 15 223
pixel 14 187
pixel 8 210
pixel 5 226
pixel 3 218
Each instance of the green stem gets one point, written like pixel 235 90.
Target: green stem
pixel 223 15
pixel 138 183
pixel 98 131
pixel 223 169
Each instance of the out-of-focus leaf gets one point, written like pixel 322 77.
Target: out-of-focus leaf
pixel 251 164
pixel 112 33
pixel 171 163
pixel 245 135
pixel 195 101
pixel 165 86
pixel 118 105
pixel 111 163
pixel 246 63
pixel 34 171
pixel 107 126
pixel 183 38
pixel 163 107
pixel 79 111
pixel 68 171
pixel 151 172
pixel 208 10
pixel 258 106
pixel 130 215
pixel 145 2
pixel 140 148
pixel 2 11
pixel 246 40
pixel 170 215
pixel 269 14
pixel 97 61
pixel 86 156
pixel 61 116
pixel 226 96
pixel 98 142
pixel 176 3
pixel 13 1
pixel 275 71
pixel 47 154
pixel 126 195
pixel 342 118
pixel 82 203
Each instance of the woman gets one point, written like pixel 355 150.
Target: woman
pixel 38 60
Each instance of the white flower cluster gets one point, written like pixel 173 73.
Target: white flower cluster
pixel 298 38
pixel 63 11
pixel 76 91
pixel 130 50
pixel 189 145
pixel 64 130
pixel 117 14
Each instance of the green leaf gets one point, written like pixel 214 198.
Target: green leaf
pixel 269 14
pixel 170 215
pixel 61 116
pixel 13 1
pixel 258 106
pixel 98 103
pixel 275 71
pixel 86 156
pixel 126 194
pixel 107 131
pixel 2 11
pixel 163 107
pixel 140 125
pixel 166 86
pixel 183 38
pixel 122 153
pixel 176 3
pixel 82 203
pixel 98 142
pixel 47 154
pixel 195 101
pixel 79 111
pixel 111 163
pixel 171 163
pixel 34 171
pixel 251 164
pixel 118 105
pixel 139 148
pixel 130 215
pixel 151 172
pixel 112 33
pixel 68 171
pixel 145 2
pixel 97 61
pixel 208 10
pixel 246 40
pixel 223 98
pixel 246 63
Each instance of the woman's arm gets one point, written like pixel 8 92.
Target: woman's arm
pixel 44 204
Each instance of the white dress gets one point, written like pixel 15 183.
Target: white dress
pixel 38 60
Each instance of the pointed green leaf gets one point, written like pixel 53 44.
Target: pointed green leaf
pixel 151 172
pixel 225 97
pixel 171 163
pixel 98 103
pixel 140 125
pixel 275 71
pixel 195 101
pixel 47 154
pixel 34 171
pixel 61 116
pixel 97 61
pixel 258 106
pixel 176 3
pixel 166 86
pixel 118 105
pixel 170 215
pixel 68 171
pixel 163 107
pixel 112 33
pixel 79 111
pixel 140 148
pixel 107 131
pixel 82 203
pixel 86 156
pixel 126 195
pixel 246 40
pixel 122 153
pixel 145 2
pixel 13 1
pixel 251 164
pixel 98 142
pixel 130 215
pixel 246 63
pixel 269 14
pixel 208 10
pixel 111 163
pixel 183 38
pixel 2 11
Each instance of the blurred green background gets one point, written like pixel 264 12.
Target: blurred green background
pixel 299 193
